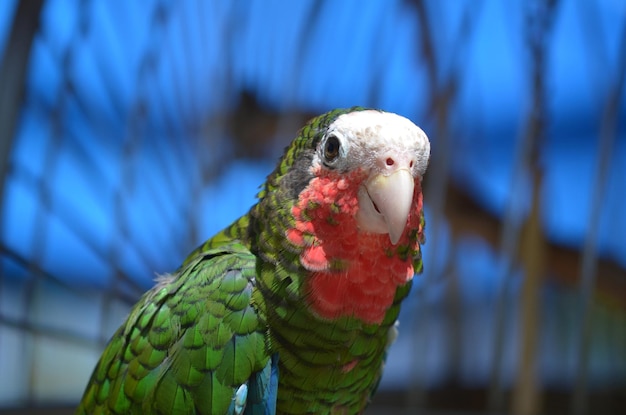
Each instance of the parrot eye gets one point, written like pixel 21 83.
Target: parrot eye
pixel 331 148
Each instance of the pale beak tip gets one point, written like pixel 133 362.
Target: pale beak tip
pixel 394 238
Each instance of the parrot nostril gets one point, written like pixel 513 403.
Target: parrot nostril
pixel 411 164
pixel 390 161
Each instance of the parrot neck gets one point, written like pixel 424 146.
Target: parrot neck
pixel 350 273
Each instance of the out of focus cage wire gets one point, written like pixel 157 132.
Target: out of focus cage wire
pixel 113 131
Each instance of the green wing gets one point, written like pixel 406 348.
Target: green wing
pixel 188 345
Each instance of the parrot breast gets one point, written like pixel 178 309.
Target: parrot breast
pixel 351 273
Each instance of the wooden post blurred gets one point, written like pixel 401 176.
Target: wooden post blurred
pixel 588 270
pixel 527 389
pixel 526 399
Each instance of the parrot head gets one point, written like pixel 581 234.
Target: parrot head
pixel 347 200
pixel 388 154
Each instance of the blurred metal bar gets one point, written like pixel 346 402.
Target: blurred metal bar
pixel 524 234
pixel 445 83
pixel 608 133
pixel 13 71
pixel 37 329
pixel 526 397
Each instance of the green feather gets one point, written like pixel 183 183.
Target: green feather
pixel 188 344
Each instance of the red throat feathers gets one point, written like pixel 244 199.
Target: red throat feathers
pixel 352 273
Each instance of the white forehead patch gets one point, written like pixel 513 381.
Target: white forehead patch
pixel 369 132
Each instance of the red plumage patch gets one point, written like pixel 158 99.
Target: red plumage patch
pixel 351 273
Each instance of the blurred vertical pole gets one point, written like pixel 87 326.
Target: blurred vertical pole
pixel 13 71
pixel 526 399
pixel 527 392
pixel 525 237
pixel 608 133
pixel 445 84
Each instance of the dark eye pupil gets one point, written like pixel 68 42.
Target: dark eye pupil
pixel 331 149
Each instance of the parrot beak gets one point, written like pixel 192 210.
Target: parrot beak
pixel 385 202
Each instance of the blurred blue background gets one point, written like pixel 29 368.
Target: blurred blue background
pixel 133 131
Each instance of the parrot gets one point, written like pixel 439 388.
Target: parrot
pixel 291 309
